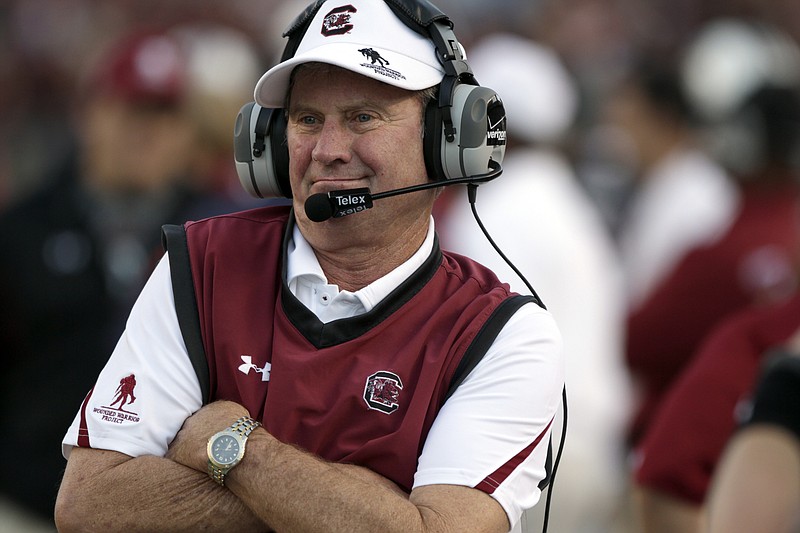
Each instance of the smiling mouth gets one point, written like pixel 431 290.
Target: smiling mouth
pixel 325 185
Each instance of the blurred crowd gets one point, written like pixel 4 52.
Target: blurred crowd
pixel 650 195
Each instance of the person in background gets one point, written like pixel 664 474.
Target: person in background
pixel 680 198
pixel 753 263
pixel 756 486
pixel 699 415
pixel 222 64
pixel 542 217
pixel 330 345
pixel 76 253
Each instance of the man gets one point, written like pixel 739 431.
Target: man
pixel 343 351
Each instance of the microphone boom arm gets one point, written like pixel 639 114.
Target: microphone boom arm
pixel 495 171
pixel 321 206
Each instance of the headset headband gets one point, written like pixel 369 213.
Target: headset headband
pixel 464 123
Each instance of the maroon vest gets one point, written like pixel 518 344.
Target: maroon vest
pixel 362 390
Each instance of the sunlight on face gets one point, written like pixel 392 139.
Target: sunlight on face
pixel 347 131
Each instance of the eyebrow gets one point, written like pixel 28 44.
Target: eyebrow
pixel 358 104
pixel 382 109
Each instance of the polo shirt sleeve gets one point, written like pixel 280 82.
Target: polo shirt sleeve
pixel 148 387
pixel 493 432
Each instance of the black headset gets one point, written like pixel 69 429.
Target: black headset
pixel 464 126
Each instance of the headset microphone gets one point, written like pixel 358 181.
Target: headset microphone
pixel 334 204
pixel 320 207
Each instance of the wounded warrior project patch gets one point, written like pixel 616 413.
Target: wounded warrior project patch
pixel 115 411
pixel 382 391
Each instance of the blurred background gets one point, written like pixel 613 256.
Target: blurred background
pixel 655 143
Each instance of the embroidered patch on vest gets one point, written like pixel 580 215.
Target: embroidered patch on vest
pixel 382 391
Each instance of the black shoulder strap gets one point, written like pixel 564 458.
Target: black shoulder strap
pixel 485 338
pixel 477 349
pixel 174 241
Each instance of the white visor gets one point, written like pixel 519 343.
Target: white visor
pixel 363 36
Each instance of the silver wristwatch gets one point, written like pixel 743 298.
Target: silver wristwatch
pixel 226 448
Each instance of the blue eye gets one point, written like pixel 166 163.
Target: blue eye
pixel 363 117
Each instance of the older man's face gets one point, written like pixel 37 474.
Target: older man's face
pixel 347 131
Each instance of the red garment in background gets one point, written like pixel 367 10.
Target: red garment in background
pixel 680 451
pixel 754 262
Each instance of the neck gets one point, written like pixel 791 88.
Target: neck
pixel 356 266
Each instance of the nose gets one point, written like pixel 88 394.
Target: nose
pixel 333 144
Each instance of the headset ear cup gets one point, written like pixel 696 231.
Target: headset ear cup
pixel 280 151
pixel 432 141
pixel 479 121
pixel 260 152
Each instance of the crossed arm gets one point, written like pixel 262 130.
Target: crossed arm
pixel 275 487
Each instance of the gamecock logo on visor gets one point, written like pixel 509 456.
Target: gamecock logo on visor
pixel 337 21
pixel 382 391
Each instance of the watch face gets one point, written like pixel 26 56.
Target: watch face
pixel 225 449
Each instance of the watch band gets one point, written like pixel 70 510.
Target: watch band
pixel 243 426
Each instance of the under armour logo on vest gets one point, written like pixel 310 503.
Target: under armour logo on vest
pixel 248 365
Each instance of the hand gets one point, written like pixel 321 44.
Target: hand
pixel 189 446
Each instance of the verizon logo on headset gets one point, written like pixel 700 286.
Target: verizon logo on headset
pixel 496 118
